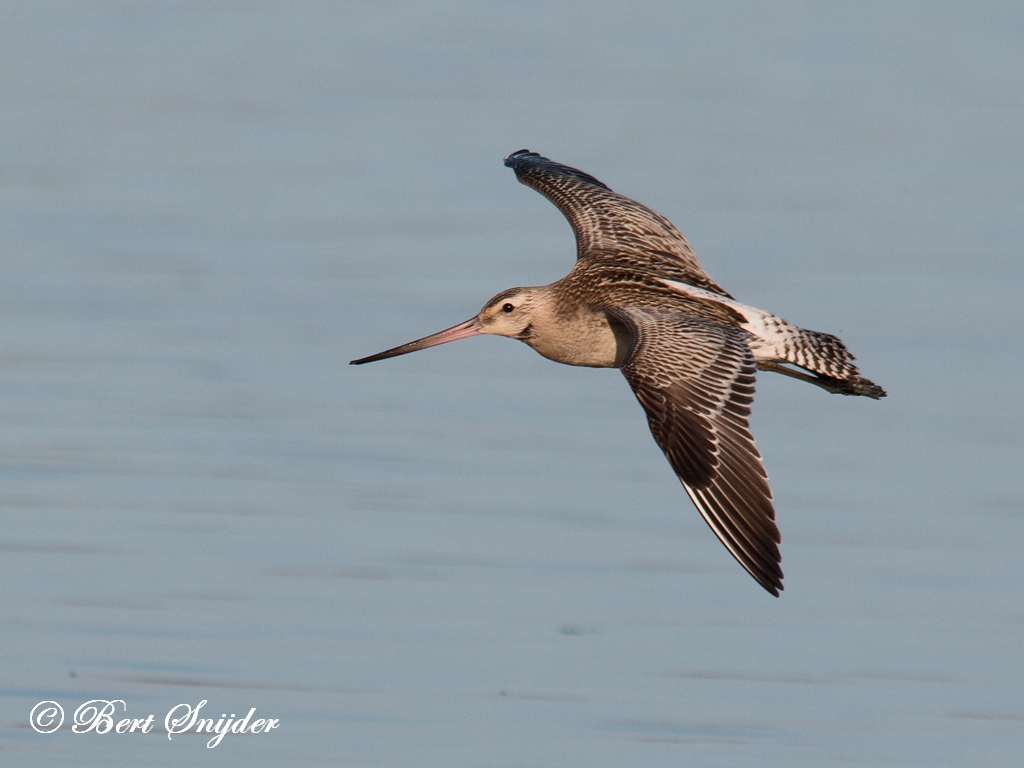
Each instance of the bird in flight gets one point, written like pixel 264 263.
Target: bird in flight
pixel 637 299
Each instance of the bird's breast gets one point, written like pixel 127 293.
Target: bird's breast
pixel 587 338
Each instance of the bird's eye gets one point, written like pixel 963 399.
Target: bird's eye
pixel 507 308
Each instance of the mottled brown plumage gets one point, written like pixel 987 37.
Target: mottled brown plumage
pixel 639 300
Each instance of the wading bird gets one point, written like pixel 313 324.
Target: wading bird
pixel 638 300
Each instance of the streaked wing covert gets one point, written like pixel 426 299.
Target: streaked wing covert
pixel 609 226
pixel 695 380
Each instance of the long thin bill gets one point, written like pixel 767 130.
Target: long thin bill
pixel 460 331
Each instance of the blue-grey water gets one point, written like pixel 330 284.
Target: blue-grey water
pixel 472 556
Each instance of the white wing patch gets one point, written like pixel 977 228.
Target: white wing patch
pixel 772 335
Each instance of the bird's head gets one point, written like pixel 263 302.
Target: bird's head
pixel 510 313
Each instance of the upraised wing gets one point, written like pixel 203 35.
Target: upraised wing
pixel 608 226
pixel 695 380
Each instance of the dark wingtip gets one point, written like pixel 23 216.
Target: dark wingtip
pixel 523 161
pixel 771 582
pixel 510 161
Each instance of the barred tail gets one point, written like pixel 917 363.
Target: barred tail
pixel 823 354
pixel 775 343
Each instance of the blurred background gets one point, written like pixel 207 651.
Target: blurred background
pixel 472 556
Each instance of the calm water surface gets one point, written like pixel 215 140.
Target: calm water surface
pixel 472 556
